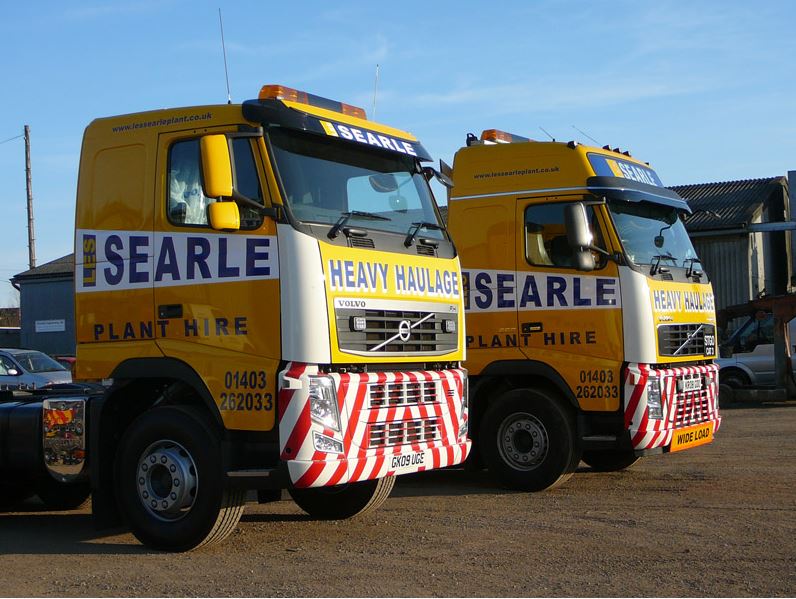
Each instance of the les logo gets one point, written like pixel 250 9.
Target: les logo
pixel 89 260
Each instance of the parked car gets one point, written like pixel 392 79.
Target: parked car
pixel 67 362
pixel 30 369
pixel 752 347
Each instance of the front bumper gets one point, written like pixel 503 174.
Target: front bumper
pixel 391 423
pixel 681 410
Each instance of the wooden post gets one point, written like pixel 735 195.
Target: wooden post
pixel 31 237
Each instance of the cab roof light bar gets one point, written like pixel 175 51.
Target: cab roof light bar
pixel 281 92
pixel 501 137
pixel 617 150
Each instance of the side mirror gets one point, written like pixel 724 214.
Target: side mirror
pixel 584 260
pixel 445 169
pixel 216 166
pixel 445 180
pixel 579 235
pixel 224 216
pixel 12 372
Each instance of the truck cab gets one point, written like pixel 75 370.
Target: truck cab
pixel 590 323
pixel 271 297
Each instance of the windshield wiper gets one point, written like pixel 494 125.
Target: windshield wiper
pixel 656 268
pixel 335 230
pixel 691 270
pixel 415 229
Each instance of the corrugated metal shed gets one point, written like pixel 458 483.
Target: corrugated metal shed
pixel 47 304
pixel 740 263
pixel 727 262
pixel 735 202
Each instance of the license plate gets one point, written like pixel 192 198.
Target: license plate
pixel 412 461
pixel 692 436
pixel 691 384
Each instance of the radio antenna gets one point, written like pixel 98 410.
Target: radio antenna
pixel 546 133
pixel 375 92
pixel 224 51
pixel 586 134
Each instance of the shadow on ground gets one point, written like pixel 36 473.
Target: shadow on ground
pixel 42 532
pixel 448 482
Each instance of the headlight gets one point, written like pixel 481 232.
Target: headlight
pixel 326 444
pixel 463 418
pixel 654 402
pixel 323 402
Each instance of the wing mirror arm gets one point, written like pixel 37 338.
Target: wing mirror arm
pixel 430 171
pixel 274 212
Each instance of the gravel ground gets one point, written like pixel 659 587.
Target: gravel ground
pixel 718 520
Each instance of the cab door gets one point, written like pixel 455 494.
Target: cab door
pixel 568 319
pixel 217 292
pixel 484 234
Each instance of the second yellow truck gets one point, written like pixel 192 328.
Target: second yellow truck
pixel 590 324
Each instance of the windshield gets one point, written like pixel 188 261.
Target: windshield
pixel 651 230
pixel 37 362
pixel 325 180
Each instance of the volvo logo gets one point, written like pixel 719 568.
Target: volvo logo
pixel 351 303
pixel 404 330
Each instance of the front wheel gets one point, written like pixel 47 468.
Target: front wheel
pixel 609 461
pixel 169 481
pixel 528 440
pixel 343 501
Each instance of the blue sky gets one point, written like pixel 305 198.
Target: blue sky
pixel 702 90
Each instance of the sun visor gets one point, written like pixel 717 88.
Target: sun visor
pixel 633 191
pixel 352 130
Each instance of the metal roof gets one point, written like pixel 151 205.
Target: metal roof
pixel 56 268
pixel 735 202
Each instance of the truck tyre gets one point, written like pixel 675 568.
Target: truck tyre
pixel 609 461
pixel 343 501
pixel 169 481
pixel 62 496
pixel 528 440
pixel 12 495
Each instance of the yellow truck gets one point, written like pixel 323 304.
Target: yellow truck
pixel 270 295
pixel 590 324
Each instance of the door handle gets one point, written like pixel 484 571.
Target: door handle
pixel 531 327
pixel 170 311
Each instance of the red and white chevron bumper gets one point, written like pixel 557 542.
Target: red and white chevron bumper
pixel 688 402
pixel 389 423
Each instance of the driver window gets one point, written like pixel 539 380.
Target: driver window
pixel 246 181
pixel 187 203
pixel 546 236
